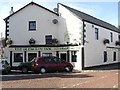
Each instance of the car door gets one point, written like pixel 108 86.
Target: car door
pixel 59 64
pixel 50 64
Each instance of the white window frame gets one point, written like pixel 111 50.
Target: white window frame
pixel 28 53
pixel 16 63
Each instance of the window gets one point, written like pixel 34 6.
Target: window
pixel 48 39
pixel 119 37
pixel 114 56
pixel 47 54
pixel 31 56
pixel 18 57
pixel 96 33
pixel 32 25
pixel 105 56
pixel 111 36
pixel 74 56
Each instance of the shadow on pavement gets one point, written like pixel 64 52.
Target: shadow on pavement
pixel 47 75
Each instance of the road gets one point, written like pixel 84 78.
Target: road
pixel 84 79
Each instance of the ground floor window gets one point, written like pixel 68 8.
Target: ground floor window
pixel 18 57
pixel 105 56
pixel 73 56
pixel 114 56
pixel 47 54
pixel 63 56
pixel 31 56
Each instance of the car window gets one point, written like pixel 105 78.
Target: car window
pixel 2 62
pixel 48 59
pixel 41 59
pixel 6 63
pixel 58 59
pixel 34 60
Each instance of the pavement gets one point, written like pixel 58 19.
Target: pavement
pixel 87 79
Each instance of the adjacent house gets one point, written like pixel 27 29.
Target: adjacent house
pixel 2 46
pixel 72 35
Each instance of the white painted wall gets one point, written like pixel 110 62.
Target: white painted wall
pixel 94 48
pixel 19 25
pixel 71 24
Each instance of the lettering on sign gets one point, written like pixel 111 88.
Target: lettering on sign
pixel 44 48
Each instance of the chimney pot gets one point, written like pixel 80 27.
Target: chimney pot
pixel 11 12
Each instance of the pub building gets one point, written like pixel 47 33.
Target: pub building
pixel 76 37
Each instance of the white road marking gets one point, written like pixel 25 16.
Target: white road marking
pixel 19 75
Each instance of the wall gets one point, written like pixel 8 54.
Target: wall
pixel 19 25
pixel 94 48
pixel 70 24
pixel 70 30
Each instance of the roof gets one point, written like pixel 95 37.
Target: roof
pixel 85 17
pixel 31 3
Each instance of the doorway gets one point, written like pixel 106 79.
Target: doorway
pixel 63 56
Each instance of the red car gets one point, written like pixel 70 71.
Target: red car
pixel 49 64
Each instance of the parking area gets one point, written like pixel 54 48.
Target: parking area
pixel 108 78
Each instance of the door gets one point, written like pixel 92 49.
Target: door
pixel 60 63
pixel 63 56
pixel 31 56
pixel 49 64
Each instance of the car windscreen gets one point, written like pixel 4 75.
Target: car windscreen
pixel 34 60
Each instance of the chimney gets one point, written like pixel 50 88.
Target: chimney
pixel 11 12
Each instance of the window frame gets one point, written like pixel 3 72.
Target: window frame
pixel 111 36
pixel 30 26
pixel 105 56
pixel 114 56
pixel 74 55
pixel 96 34
pixel 22 57
pixel 48 39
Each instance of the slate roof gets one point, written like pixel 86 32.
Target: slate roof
pixel 85 17
pixel 31 3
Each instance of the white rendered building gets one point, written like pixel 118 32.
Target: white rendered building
pixel 72 35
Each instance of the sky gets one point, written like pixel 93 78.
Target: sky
pixel 106 10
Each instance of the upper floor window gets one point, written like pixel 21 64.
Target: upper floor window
pixel 48 39
pixel 119 37
pixel 96 33
pixel 32 25
pixel 111 37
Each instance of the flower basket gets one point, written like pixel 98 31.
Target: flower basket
pixel 31 41
pixel 117 43
pixel 106 41
pixel 54 41
pixel 9 41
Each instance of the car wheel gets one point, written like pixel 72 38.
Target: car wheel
pixel 42 70
pixel 67 69
pixel 24 70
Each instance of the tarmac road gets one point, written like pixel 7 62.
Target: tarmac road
pixel 87 79
pixel 100 78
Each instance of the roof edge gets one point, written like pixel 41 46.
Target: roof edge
pixel 91 17
pixel 28 5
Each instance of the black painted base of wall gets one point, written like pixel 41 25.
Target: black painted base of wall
pixel 104 67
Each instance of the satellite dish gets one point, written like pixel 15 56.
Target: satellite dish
pixel 55 10
pixel 55 21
